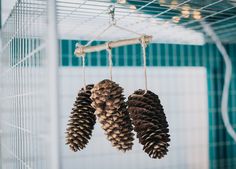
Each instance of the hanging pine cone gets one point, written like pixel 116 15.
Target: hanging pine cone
pixel 112 113
pixel 82 121
pixel 149 122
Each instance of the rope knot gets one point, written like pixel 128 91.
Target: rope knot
pixel 143 41
pixel 79 50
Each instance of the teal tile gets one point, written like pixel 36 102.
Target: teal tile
pixel 185 55
pixel 222 150
pixel 162 55
pixel 104 57
pixel 130 55
pixel 94 58
pixel 170 54
pixel 138 56
pixel 154 55
pixel 178 55
pixel 123 58
pixel 65 47
pixel 65 61
pixel 75 61
pixel 72 47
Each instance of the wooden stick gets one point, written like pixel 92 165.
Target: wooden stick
pixel 81 50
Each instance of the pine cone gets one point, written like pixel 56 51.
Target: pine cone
pixel 82 121
pixel 149 122
pixel 112 113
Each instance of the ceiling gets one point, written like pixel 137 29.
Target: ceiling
pixel 168 21
pixel 219 14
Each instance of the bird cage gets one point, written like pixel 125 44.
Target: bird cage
pixel 164 69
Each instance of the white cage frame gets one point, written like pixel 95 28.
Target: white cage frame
pixel 29 87
pixel 30 20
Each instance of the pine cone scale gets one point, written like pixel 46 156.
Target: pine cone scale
pixel 149 122
pixel 81 122
pixel 111 110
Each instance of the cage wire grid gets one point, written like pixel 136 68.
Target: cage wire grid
pixel 81 19
pixel 84 19
pixel 23 56
pixel 24 118
pixel 169 21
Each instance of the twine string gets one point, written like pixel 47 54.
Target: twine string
pixel 84 79
pixel 109 50
pixel 144 46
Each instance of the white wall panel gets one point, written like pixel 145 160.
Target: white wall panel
pixel 183 92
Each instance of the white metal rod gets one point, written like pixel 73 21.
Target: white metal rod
pixel 52 57
pixel 228 75
pixel 1 87
pixel 81 50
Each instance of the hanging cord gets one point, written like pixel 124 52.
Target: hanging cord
pixel 228 74
pixel 109 50
pixel 144 46
pixel 79 46
pixel 84 79
pixel 112 23
pixel 111 12
pixel 127 30
pixel 99 35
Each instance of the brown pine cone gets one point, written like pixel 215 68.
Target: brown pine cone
pixel 111 110
pixel 81 121
pixel 149 122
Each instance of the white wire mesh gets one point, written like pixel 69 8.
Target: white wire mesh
pixel 164 19
pixel 24 119
pixel 84 19
pixel 23 106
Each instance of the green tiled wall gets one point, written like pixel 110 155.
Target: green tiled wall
pixel 222 149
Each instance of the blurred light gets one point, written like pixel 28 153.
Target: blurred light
pixel 185 14
pixel 162 1
pixel 121 1
pixel 174 3
pixel 185 11
pixel 186 7
pixel 132 8
pixel 175 19
pixel 197 14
